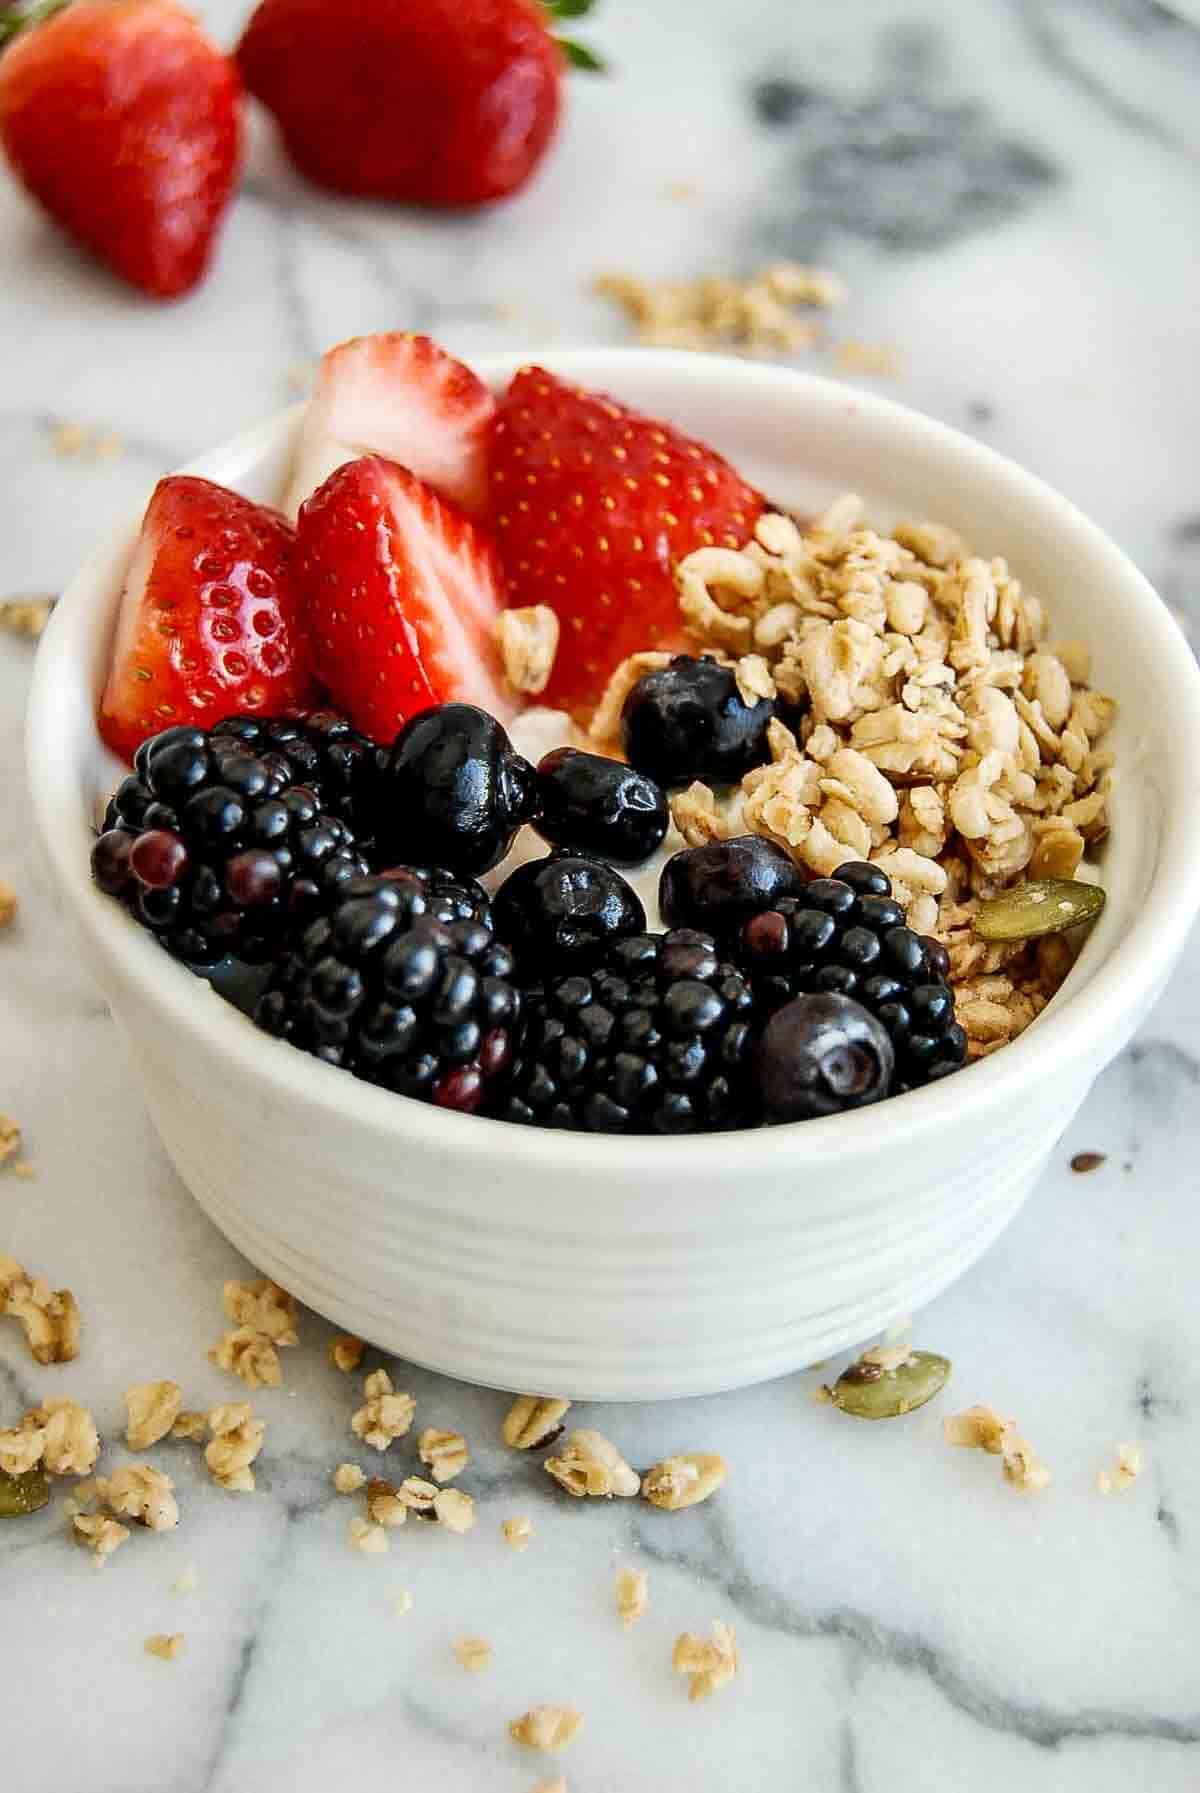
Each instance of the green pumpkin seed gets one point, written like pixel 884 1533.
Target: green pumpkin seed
pixel 868 1391
pixel 1044 906
pixel 21 1494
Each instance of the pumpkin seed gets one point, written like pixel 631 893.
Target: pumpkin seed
pixel 22 1494
pixel 1043 906
pixel 868 1391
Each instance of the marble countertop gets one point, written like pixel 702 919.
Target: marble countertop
pixel 1009 188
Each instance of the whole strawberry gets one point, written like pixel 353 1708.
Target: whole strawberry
pixel 592 505
pixel 122 119
pixel 437 102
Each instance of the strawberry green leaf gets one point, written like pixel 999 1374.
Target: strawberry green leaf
pixel 569 9
pixel 579 56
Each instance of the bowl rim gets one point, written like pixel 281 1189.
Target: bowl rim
pixel 1066 1034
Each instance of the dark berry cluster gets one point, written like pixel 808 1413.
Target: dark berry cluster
pixel 218 849
pixel 655 1038
pixel 845 936
pixel 383 987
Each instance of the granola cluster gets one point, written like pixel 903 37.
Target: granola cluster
pixel 237 1438
pixel 773 312
pixel 50 1316
pixel 264 1318
pixel 708 1666
pixel 60 1434
pixel 943 736
pixel 983 1429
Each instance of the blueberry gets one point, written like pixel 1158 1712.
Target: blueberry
pixel 452 792
pixel 689 720
pixel 558 912
pixel 601 806
pixel 720 886
pixel 822 1055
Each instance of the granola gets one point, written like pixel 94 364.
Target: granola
pixel 771 312
pixel 454 1509
pixel 165 1645
pixel 1130 1463
pixel 265 1318
pixel 591 1465
pixel 528 642
pixel 534 1420
pixel 237 1439
pixel 346 1352
pixel 684 1481
pixel 101 1534
pixel 633 1595
pixel 191 1425
pixel 25 616
pixel 249 1355
pixel 368 1537
pixel 71 1443
pixel 546 1728
pixel 444 1454
pixel 8 903
pixel 945 738
pixel 385 1415
pixel 518 1532
pixel 50 1316
pixel 708 1666
pixel 348 1478
pixel 153 1409
pixel 474 1653
pixel 138 1492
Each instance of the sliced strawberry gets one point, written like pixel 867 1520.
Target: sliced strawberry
pixel 404 593
pixel 593 504
pixel 403 397
pixel 210 623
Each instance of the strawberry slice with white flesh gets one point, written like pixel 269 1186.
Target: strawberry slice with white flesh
pixel 403 397
pixel 404 593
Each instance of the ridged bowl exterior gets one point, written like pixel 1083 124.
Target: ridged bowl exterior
pixel 628 1269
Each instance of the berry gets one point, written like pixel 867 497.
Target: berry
pixel 403 397
pixel 689 720
pixel 822 1055
pixel 436 102
pixel 452 791
pixel 210 622
pixel 600 806
pixel 322 751
pixel 219 850
pixel 656 1037
pixel 424 1007
pixel 559 912
pixel 721 885
pixel 122 118
pixel 845 936
pixel 593 505
pixel 404 593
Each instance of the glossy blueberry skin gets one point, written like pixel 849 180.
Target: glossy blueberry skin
pixel 556 913
pixel 719 886
pixel 452 791
pixel 601 806
pixel 688 720
pixel 821 1055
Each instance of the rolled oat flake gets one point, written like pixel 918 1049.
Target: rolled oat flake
pixel 869 1391
pixel 1043 906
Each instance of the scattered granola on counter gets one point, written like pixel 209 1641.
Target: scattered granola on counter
pixel 518 1532
pixel 982 1428
pixel 265 1318
pixel 389 1506
pixel 346 1352
pixel 444 1454
pixel 385 1415
pixel 138 1492
pixel 348 1478
pixel 454 1509
pixel 633 1595
pixel 237 1439
pixel 101 1534
pixel 1130 1463
pixel 474 1653
pixel 371 1539
pixel 708 1666
pixel 546 1728
pixel 50 1316
pixel 591 1464
pixel 153 1409
pixel 534 1420
pixel 191 1425
pixel 684 1481
pixel 769 313
pixel 165 1645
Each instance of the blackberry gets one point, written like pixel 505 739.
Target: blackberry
pixel 656 1037
pixel 217 850
pixel 845 936
pixel 324 752
pixel 380 986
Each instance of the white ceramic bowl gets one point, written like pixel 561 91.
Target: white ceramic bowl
pixel 616 1268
